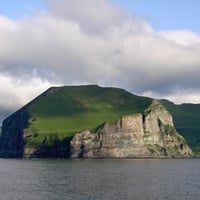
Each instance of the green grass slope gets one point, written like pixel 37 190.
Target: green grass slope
pixel 187 122
pixel 62 111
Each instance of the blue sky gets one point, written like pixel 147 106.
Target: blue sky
pixel 166 14
pixel 20 8
pixel 161 14
pixel 148 47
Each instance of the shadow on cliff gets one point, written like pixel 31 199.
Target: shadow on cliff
pixel 56 148
pixel 11 138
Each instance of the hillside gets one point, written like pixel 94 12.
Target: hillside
pixel 56 115
pixel 187 122
pixel 70 109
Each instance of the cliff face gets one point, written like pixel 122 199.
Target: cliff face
pixel 11 140
pixel 151 134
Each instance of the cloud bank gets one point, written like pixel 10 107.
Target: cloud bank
pixel 93 41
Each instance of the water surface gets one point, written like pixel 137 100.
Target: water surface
pixel 137 179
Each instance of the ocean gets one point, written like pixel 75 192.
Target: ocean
pixel 100 179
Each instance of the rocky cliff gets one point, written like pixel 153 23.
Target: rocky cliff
pixel 147 134
pixel 12 138
pixel 150 134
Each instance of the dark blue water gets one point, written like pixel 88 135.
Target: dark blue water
pixel 43 179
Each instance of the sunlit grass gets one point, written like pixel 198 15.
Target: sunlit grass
pixel 73 109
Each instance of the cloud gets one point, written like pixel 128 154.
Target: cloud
pixel 93 16
pixel 15 92
pixel 95 42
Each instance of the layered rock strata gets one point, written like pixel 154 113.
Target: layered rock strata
pixel 150 134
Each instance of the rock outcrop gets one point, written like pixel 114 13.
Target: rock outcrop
pixel 150 134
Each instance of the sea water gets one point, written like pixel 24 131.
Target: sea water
pixel 107 179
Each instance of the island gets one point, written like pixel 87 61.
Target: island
pixel 92 122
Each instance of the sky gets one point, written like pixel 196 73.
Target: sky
pixel 148 47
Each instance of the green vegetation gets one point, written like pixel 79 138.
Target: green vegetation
pixel 187 122
pixel 66 110
pixel 169 130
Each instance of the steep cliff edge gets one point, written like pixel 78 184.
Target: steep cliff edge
pixel 150 134
pixel 12 138
pixel 47 126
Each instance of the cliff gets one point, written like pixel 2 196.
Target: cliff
pixel 47 126
pixel 186 118
pixel 150 134
pixel 12 138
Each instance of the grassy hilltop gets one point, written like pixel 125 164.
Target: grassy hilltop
pixel 51 119
pixel 62 111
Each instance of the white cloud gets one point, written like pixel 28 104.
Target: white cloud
pixel 94 16
pixel 95 42
pixel 17 92
pixel 178 96
pixel 182 37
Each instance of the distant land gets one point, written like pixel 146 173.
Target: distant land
pixel 96 122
